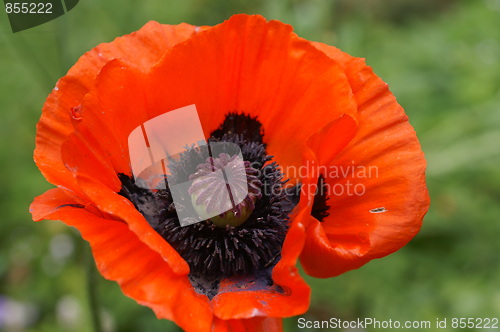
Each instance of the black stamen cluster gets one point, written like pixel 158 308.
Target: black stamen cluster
pixel 320 207
pixel 215 252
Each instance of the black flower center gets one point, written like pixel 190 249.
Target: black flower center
pixel 320 207
pixel 246 239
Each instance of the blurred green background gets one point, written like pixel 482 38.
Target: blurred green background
pixel 441 59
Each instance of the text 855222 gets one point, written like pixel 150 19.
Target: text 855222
pixel 28 8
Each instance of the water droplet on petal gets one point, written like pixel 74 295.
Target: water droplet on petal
pixel 76 112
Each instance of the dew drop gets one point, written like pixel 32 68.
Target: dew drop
pixel 76 112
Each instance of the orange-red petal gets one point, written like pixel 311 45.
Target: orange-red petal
pixel 114 107
pixel 256 324
pixel 121 256
pixel 144 47
pixel 391 199
pixel 260 68
pixel 331 139
pixel 294 298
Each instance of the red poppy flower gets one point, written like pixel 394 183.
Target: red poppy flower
pixel 257 85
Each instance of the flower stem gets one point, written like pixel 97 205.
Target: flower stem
pixel 92 278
